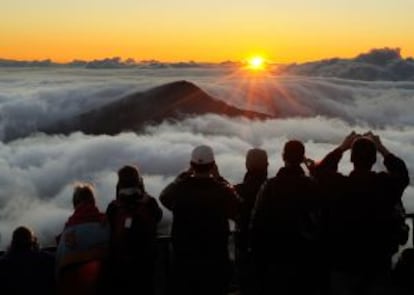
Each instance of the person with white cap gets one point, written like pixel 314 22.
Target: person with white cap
pixel 201 202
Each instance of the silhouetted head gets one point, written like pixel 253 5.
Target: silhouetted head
pixel 130 182
pixel 363 153
pixel 23 239
pixel 256 161
pixel 83 193
pixel 293 152
pixel 202 159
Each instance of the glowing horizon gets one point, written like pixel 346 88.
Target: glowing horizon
pixel 216 31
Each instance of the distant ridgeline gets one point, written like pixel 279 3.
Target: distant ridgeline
pixel 173 101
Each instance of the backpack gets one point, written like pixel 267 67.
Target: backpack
pixel 133 229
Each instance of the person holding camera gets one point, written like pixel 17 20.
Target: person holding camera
pixel 362 224
pixel 201 202
pixel 284 229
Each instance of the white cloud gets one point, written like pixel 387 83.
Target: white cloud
pixel 378 64
pixel 39 97
pixel 36 172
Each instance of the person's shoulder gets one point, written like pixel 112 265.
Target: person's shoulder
pixel 149 200
pixel 192 181
pixel 380 176
pixel 309 179
pixel 239 187
pixel 113 204
pixel 222 183
pixel 272 181
pixel 4 264
pixel 112 207
pixel 179 182
pixel 3 259
pixel 149 197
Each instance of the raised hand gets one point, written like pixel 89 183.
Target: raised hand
pixel 378 143
pixel 348 141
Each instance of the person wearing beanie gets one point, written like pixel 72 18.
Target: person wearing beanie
pixel 133 218
pixel 201 202
pixel 255 177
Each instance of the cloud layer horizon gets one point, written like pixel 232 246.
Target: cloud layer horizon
pixel 37 172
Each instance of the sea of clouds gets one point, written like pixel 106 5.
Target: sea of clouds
pixel 37 171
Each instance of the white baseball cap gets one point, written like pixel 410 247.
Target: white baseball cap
pixel 202 154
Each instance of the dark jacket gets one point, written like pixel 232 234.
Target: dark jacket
pixel 247 191
pixel 27 272
pixel 282 222
pixel 201 208
pixel 136 239
pixel 133 221
pixel 360 222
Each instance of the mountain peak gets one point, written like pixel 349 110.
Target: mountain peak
pixel 172 101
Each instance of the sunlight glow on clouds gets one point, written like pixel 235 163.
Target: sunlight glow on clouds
pixel 37 172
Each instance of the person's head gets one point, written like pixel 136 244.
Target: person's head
pixel 130 182
pixel 202 159
pixel 83 193
pixel 256 161
pixel 23 239
pixel 363 153
pixel 293 153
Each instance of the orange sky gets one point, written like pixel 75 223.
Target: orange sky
pixel 181 30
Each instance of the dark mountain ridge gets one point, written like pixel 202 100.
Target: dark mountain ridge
pixel 172 101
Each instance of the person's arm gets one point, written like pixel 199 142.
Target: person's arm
pixel 331 160
pixel 233 201
pixel 110 213
pixel 259 207
pixel 257 217
pixel 156 210
pixel 169 195
pixel 396 168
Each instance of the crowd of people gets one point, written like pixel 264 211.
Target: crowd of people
pixel 307 230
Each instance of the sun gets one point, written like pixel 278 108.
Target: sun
pixel 256 63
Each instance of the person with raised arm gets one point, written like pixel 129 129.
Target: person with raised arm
pixel 363 224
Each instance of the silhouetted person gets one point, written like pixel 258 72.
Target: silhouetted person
pixel 83 246
pixel 362 227
pixel 201 203
pixel 256 175
pixel 283 230
pixel 24 269
pixel 133 217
